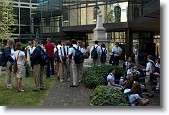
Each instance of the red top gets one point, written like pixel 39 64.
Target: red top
pixel 49 49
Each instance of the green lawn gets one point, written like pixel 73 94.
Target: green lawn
pixel 11 97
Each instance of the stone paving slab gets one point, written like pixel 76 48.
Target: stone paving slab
pixel 64 96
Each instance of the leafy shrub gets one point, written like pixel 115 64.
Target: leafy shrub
pixel 93 76
pixel 106 96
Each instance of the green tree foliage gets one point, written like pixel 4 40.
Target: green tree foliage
pixel 7 18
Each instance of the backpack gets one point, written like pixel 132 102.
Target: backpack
pixel 153 65
pixel 103 55
pixel 105 78
pixel 43 57
pixel 3 59
pixel 94 54
pixel 63 57
pixel 152 76
pixel 56 55
pixel 78 57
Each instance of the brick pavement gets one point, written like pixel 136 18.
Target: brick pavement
pixel 64 96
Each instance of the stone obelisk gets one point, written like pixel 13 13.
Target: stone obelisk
pixel 99 31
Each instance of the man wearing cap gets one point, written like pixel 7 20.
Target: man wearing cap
pixel 49 47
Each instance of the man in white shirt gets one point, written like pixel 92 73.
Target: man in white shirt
pixel 116 50
pixel 79 43
pixel 28 52
pixel 96 61
pixel 63 55
pixel 149 70
pixel 75 67
pixel 136 51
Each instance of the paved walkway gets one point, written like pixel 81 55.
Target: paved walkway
pixel 64 96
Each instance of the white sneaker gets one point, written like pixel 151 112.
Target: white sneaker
pixel 142 86
pixel 9 86
pixel 68 80
pixel 157 88
pixel 61 80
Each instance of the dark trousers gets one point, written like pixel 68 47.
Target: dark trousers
pixel 50 64
pixel 116 60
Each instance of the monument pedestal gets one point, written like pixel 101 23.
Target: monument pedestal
pixel 99 32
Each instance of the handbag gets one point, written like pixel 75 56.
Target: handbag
pixel 15 65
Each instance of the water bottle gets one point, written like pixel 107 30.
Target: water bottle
pixel 121 81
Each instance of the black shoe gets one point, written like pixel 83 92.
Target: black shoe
pixel 35 90
pixel 42 88
pixel 73 85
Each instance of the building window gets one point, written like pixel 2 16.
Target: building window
pixel 95 13
pixel 65 16
pixel 117 12
pixel 43 1
pixel 47 22
pixel 136 12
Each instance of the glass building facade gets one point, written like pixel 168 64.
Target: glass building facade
pixel 83 12
pixel 37 18
pixel 67 19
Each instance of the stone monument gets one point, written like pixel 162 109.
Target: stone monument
pixel 99 31
pixel 99 35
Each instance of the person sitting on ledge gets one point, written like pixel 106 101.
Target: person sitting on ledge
pixel 111 79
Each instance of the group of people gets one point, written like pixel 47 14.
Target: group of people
pixel 66 61
pixel 63 59
pixel 130 84
pixel 99 54
pixel 9 57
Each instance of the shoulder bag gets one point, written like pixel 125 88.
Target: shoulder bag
pixel 15 66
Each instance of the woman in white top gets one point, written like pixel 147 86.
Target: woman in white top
pixel 134 95
pixel 28 53
pixel 136 51
pixel 130 72
pixel 21 59
pixel 111 79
